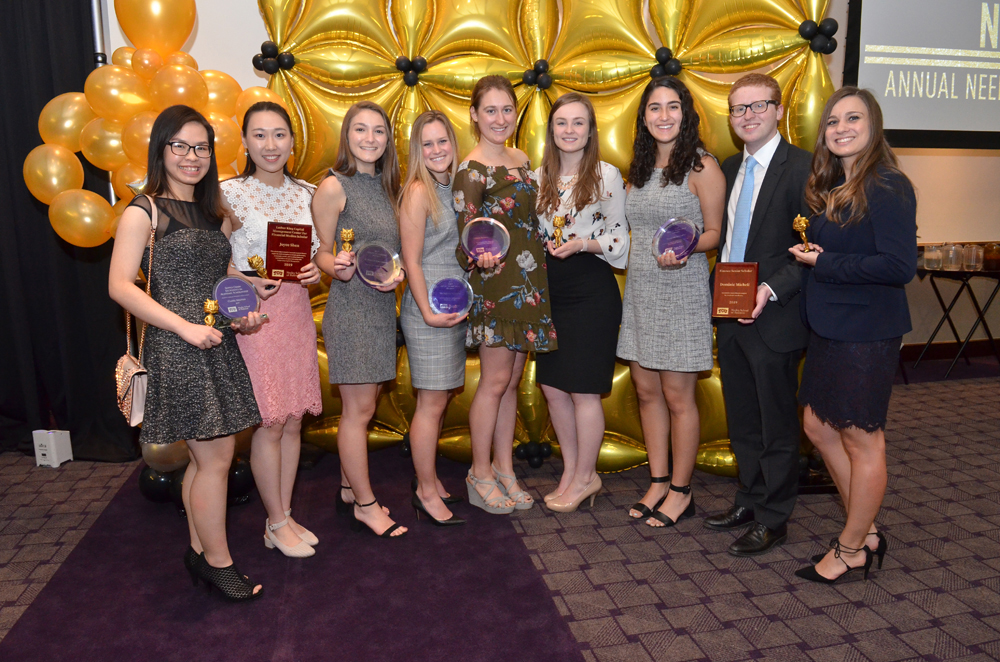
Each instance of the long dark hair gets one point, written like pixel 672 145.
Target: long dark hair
pixel 166 126
pixel 686 155
pixel 587 189
pixel 387 165
pixel 871 167
pixel 267 107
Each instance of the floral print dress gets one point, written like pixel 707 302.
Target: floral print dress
pixel 511 305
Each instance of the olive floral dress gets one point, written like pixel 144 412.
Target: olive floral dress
pixel 511 305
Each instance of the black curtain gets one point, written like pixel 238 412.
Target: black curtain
pixel 60 333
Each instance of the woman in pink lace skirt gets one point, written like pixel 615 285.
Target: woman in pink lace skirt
pixel 282 362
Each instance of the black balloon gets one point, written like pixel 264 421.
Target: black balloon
pixel 176 487
pixel 544 81
pixel 271 66
pixel 240 479
pixel 521 452
pixel 657 71
pixel 269 49
pixel 286 60
pixel 828 27
pixel 419 64
pixel 154 485
pixel 533 449
pixel 403 63
pixel 529 77
pixel 663 54
pixel 410 78
pixel 808 29
pixel 535 461
pixel 541 66
pixel 258 62
pixel 831 47
pixel 546 450
pixel 404 446
pixel 819 43
pixel 672 67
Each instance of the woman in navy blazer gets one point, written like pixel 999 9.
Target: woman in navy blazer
pixel 863 237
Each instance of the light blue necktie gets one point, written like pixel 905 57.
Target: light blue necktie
pixel 744 208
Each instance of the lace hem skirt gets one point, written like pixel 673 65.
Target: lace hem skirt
pixel 848 384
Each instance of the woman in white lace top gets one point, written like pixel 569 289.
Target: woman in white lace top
pixel 282 358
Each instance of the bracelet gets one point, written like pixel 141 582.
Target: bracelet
pixel 586 245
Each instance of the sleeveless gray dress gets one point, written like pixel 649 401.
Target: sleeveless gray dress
pixel 666 318
pixel 437 356
pixel 359 323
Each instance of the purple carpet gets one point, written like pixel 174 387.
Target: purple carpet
pixel 465 593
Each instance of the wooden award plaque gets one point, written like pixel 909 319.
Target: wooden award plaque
pixel 735 292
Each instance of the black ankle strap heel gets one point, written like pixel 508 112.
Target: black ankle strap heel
pixel 688 512
pixel 358 525
pixel 643 509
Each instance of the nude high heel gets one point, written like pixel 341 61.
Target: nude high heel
pixel 568 507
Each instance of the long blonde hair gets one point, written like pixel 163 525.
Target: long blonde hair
pixel 416 171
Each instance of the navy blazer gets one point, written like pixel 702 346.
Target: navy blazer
pixel 856 291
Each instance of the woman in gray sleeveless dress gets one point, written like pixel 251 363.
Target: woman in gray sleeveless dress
pixel 435 342
pixel 359 323
pixel 666 332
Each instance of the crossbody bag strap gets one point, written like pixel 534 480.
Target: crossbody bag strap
pixel 149 267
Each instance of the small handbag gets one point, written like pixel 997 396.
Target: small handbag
pixel 130 374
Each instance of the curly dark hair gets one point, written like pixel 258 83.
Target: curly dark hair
pixel 688 148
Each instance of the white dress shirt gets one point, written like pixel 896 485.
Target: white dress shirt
pixel 763 158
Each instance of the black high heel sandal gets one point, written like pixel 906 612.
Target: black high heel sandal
pixel 418 507
pixel 229 581
pixel 448 500
pixel 810 573
pixel 879 553
pixel 666 521
pixel 358 525
pixel 646 511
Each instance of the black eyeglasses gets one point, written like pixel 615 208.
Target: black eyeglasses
pixel 183 149
pixel 758 107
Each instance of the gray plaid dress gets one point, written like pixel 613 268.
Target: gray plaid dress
pixel 437 356
pixel 666 318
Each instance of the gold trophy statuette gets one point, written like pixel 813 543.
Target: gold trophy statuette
pixel 559 222
pixel 347 236
pixel 211 307
pixel 257 264
pixel 800 225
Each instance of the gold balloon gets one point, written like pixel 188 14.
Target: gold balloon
pixel 62 120
pixel 122 56
pixel 815 9
pixel 670 20
pixel 241 160
pixel 532 409
pixel 805 104
pixel 616 112
pixel 228 139
pixel 409 108
pixel 180 57
pixel 252 95
pixel 101 144
pixel 278 16
pixel 161 25
pixel 711 102
pixel 51 169
pixel 116 93
pixel 597 72
pixel 113 229
pixel 711 18
pixel 743 50
pixel 82 218
pixel 325 22
pixel 125 175
pixel 413 20
pixel 226 172
pixel 602 25
pixel 223 91
pixel 539 26
pixel 346 66
pixel 135 137
pixel 166 457
pixel 178 84
pixel 458 75
pixel 533 123
pixel 119 207
pixel 146 62
pixel 480 28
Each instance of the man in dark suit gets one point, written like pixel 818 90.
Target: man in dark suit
pixel 759 357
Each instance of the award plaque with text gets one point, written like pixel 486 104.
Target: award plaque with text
pixel 735 293
pixel 289 247
pixel 232 297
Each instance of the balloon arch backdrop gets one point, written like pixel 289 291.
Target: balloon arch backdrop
pixel 410 56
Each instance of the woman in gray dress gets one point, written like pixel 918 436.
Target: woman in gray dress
pixel 359 323
pixel 435 342
pixel 666 333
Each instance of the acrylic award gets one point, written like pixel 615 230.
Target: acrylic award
pixel 485 235
pixel 450 295
pixel 377 265
pixel 678 235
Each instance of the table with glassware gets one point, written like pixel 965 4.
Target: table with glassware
pixel 961 263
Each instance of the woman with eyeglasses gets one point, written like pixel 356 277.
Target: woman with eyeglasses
pixel 198 386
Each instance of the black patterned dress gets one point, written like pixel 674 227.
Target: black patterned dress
pixel 192 393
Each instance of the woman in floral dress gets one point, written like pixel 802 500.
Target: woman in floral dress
pixel 510 314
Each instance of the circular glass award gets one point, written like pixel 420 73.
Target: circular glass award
pixel 485 235
pixel 450 295
pixel 678 235
pixel 236 297
pixel 377 265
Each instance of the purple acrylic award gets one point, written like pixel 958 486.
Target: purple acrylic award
pixel 450 295
pixel 678 235
pixel 377 265
pixel 236 297
pixel 485 235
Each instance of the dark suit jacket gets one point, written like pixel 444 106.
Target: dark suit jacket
pixel 781 198
pixel 856 291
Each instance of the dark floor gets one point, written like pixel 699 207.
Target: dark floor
pixel 629 592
